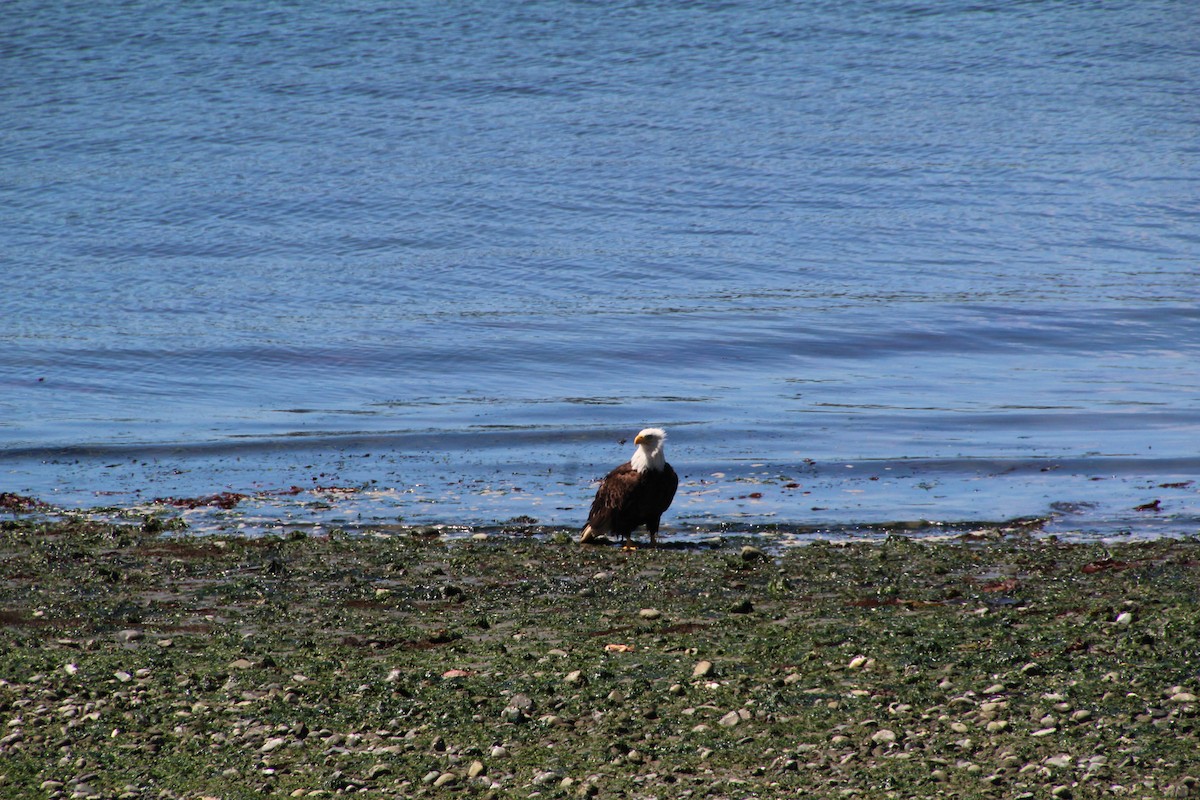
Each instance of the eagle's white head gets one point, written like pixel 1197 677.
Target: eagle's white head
pixel 649 453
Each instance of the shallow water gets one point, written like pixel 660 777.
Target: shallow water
pixel 455 255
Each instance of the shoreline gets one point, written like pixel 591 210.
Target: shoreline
pixel 138 665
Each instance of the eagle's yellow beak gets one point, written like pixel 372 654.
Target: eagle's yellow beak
pixel 639 439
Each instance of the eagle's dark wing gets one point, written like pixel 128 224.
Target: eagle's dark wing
pixel 613 495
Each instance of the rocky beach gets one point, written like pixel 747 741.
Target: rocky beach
pixel 138 662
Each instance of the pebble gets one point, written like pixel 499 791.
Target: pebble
pixel 519 708
pixel 1183 697
pixel 498 751
pixel 377 771
pixel 241 663
pixel 445 779
pixel 1124 618
pixel 543 778
pixel 883 736
pixel 1044 732
pixel 997 726
pixel 273 744
pixel 735 717
pixel 130 636
pixel 476 769
pixel 649 613
pixel 703 669
pixel 575 678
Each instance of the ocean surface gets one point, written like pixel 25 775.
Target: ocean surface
pixel 870 263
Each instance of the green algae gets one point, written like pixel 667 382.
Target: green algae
pixel 138 666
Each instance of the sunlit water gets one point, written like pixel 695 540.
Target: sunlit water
pixel 869 263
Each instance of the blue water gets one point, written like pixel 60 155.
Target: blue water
pixel 875 262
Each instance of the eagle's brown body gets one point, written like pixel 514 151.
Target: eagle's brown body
pixel 629 498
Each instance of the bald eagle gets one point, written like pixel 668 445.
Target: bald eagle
pixel 635 493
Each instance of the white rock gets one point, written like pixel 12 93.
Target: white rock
pixel 731 719
pixel 883 736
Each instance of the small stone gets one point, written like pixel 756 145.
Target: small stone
pixel 939 775
pixel 858 662
pixel 1183 697
pixel 1124 619
pixel 731 719
pixel 883 736
pixel 575 678
pixel 272 744
pixel 703 669
pixel 545 777
pixel 498 751
pixel 378 770
pixel 1082 715
pixel 1032 668
pixel 241 663
pixel 1044 732
pixel 997 726
pixel 649 613
pixel 445 779
pixel 476 769
pixel 995 688
pixel 122 676
pixel 431 776
pixel 1062 791
pixel 130 636
pixel 520 708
